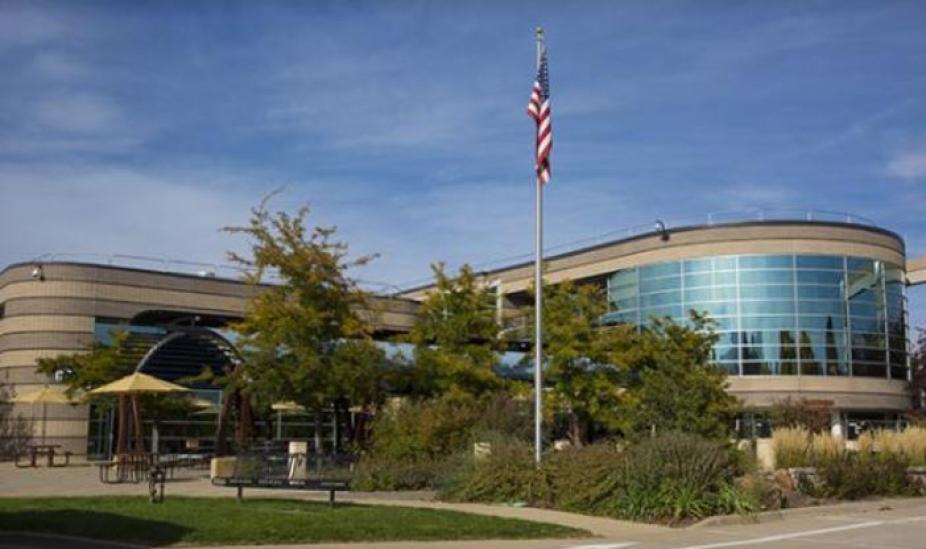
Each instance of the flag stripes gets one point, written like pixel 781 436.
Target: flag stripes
pixel 538 108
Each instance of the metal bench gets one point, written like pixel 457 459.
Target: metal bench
pixel 293 471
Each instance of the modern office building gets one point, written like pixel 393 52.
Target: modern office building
pixel 175 323
pixel 803 309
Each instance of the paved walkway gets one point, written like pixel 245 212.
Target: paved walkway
pixel 893 524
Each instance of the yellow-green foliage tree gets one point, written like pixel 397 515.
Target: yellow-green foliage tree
pixel 456 339
pixel 100 364
pixel 586 365
pixel 305 338
pixel 673 386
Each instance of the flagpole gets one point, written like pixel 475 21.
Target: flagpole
pixel 538 299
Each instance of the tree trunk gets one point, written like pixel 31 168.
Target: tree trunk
pixel 122 426
pixel 221 430
pixel 578 430
pixel 139 430
pixel 245 421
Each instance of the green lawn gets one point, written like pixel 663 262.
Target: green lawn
pixel 226 521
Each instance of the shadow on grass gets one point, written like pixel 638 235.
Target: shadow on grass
pixel 95 525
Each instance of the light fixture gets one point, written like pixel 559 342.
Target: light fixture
pixel 38 273
pixel 661 229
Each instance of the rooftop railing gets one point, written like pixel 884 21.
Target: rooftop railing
pixel 711 219
pixel 232 272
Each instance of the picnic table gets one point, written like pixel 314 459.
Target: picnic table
pixel 36 450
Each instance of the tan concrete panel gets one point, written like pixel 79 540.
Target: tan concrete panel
pixel 46 323
pixel 19 375
pixel 916 270
pixel 26 358
pixel 89 307
pixel 104 274
pixel 233 305
pixel 63 341
pixel 845 392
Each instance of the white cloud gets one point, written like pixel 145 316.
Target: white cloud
pixel 81 113
pixel 58 66
pixel 909 165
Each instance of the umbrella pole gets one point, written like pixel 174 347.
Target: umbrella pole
pixel 44 420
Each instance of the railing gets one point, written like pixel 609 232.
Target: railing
pixel 232 272
pixel 220 271
pixel 711 219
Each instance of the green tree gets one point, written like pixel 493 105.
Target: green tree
pixel 305 338
pixel 456 338
pixel 586 364
pixel 100 364
pixel 674 387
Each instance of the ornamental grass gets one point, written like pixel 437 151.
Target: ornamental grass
pixel 792 447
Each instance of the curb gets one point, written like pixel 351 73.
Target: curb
pixel 783 514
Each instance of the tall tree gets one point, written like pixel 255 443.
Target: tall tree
pixel 586 364
pixel 456 338
pixel 304 337
pixel 675 387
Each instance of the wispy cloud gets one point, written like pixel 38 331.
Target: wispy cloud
pixel 910 165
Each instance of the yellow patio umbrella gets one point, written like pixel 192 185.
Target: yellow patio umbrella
pixel 138 383
pixel 46 395
pixel 288 406
pixel 133 385
pixel 280 408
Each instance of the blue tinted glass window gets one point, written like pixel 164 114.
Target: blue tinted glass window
pixel 628 276
pixel 837 308
pixel 766 322
pixel 719 308
pixel 820 262
pixel 830 278
pixel 715 293
pixel 767 292
pixel 767 308
pixel 723 278
pixel 820 292
pixel 821 322
pixel 659 284
pixel 659 312
pixel 766 262
pixel 766 277
pixel 662 298
pixel 661 269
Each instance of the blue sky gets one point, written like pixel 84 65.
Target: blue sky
pixel 140 128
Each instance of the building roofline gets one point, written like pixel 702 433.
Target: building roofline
pixel 671 230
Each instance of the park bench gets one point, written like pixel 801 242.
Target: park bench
pixel 284 471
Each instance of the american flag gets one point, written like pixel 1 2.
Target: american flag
pixel 539 109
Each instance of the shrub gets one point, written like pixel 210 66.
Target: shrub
pixel 507 474
pixel 413 441
pixel 846 476
pixel 792 447
pixel 671 477
pixel 15 432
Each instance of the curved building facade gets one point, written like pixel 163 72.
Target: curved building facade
pixel 802 309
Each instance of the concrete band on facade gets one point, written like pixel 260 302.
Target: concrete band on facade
pixel 693 242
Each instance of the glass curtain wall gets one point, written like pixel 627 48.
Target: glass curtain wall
pixel 779 314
